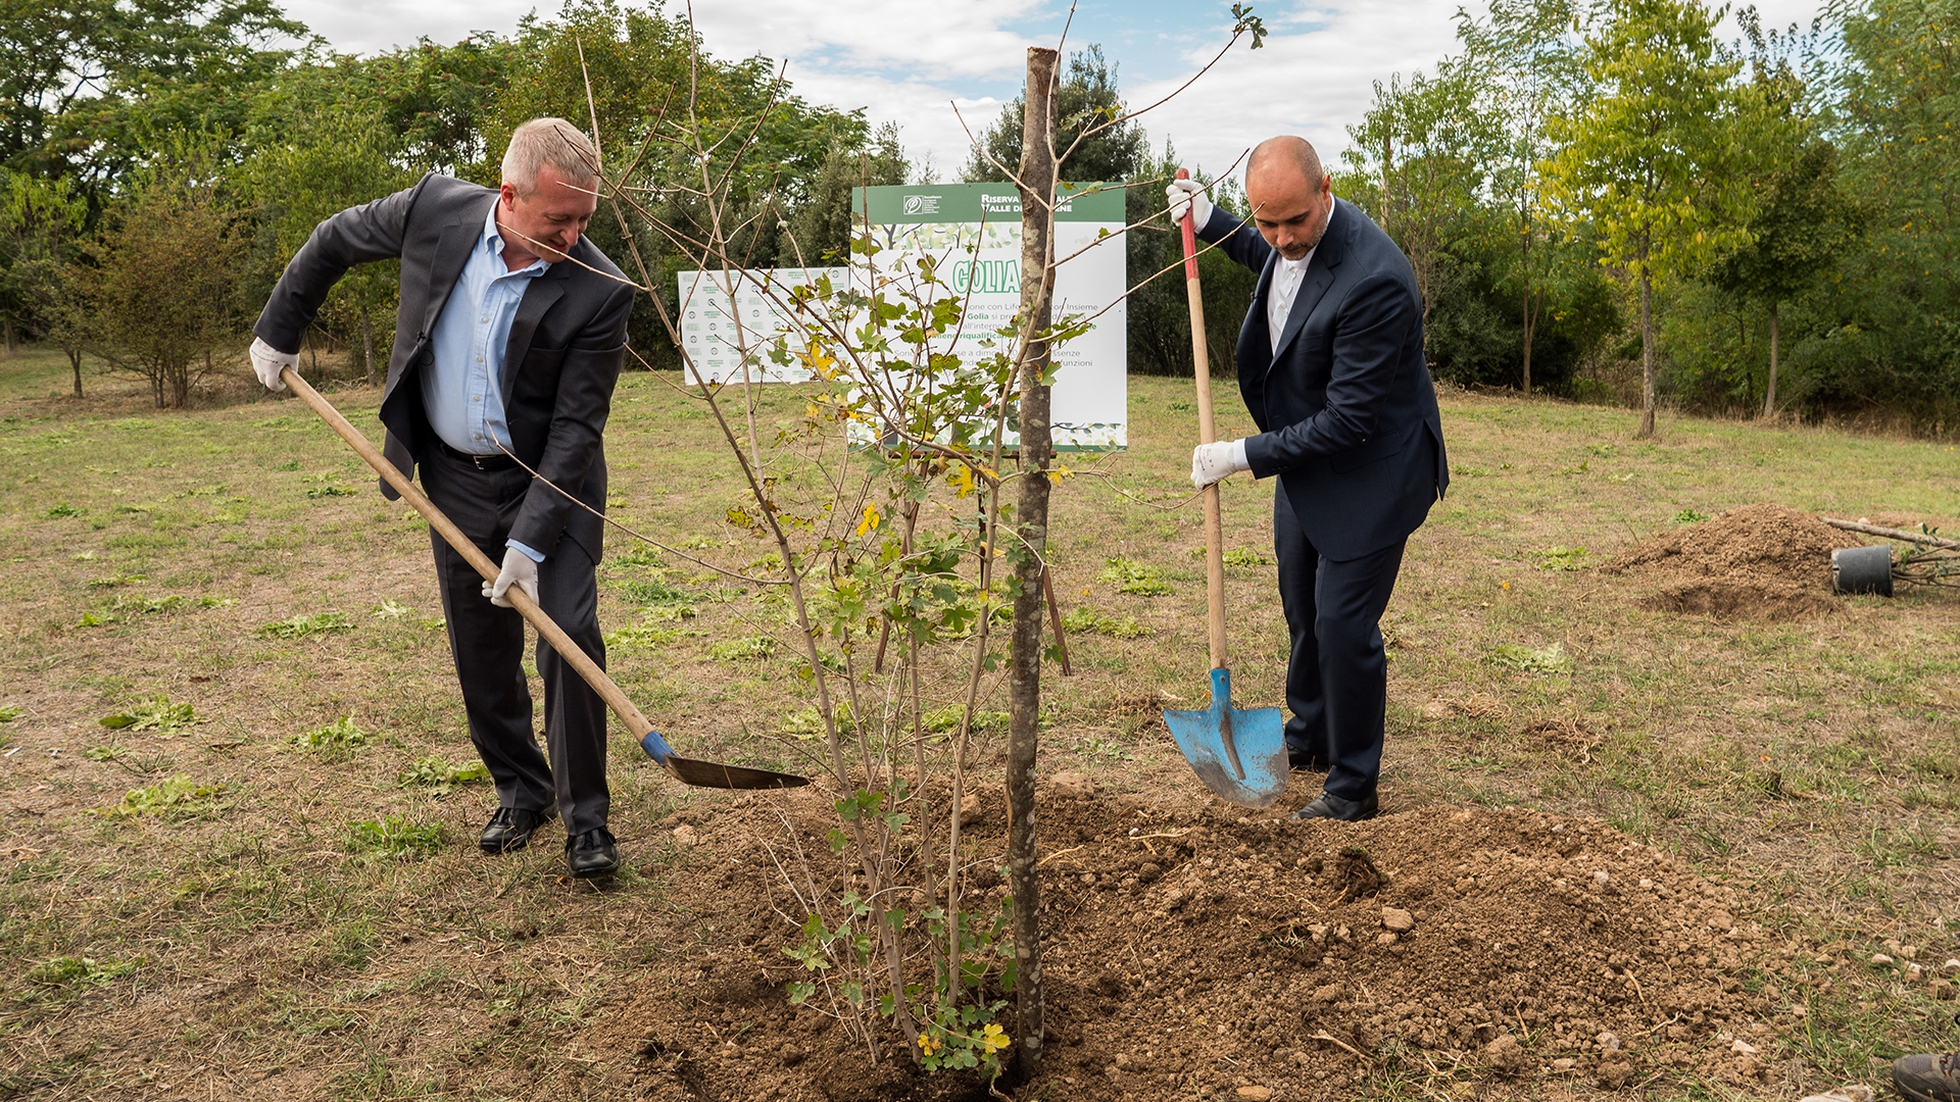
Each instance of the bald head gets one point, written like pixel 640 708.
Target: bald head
pixel 1285 154
pixel 1291 195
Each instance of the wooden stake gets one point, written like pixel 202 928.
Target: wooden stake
pixel 1037 184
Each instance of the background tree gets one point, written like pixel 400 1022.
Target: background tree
pixel 1802 221
pixel 1886 326
pixel 1645 153
pixel 1426 146
pixel 161 299
pixel 1526 53
pixel 1085 97
pixel 338 158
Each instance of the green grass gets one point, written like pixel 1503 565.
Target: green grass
pixel 330 918
pixel 395 836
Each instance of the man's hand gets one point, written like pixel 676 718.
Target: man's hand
pixel 1211 462
pixel 1188 196
pixel 268 361
pixel 520 569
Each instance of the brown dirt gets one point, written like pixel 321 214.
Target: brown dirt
pixel 1190 954
pixel 1761 562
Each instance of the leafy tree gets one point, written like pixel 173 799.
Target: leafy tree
pixel 1087 97
pixel 161 299
pixel 1802 220
pixel 1159 312
pixel 39 221
pixel 337 159
pixel 1889 319
pixel 821 226
pixel 88 87
pixel 642 68
pixel 1426 145
pixel 1645 153
pixel 1530 64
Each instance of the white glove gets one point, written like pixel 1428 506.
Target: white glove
pixel 1188 196
pixel 269 361
pixel 1211 462
pixel 520 569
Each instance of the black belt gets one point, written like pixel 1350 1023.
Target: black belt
pixel 497 462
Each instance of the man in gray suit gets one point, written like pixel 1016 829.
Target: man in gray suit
pixel 511 334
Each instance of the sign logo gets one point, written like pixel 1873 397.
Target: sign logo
pixel 922 204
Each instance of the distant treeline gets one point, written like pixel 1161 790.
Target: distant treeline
pixel 1584 191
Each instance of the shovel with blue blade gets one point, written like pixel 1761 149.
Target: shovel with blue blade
pixel 1240 753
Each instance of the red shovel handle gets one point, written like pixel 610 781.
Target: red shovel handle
pixel 1190 235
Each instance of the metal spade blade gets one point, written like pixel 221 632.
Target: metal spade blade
pixel 713 774
pixel 1240 753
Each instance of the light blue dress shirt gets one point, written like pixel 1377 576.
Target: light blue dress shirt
pixel 462 389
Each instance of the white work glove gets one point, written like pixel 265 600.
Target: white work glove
pixel 269 361
pixel 1211 462
pixel 1188 195
pixel 519 569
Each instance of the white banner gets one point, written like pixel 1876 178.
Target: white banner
pixel 723 313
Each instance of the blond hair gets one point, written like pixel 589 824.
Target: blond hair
pixel 553 142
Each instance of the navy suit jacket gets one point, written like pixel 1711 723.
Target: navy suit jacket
pixel 1346 411
pixel 567 343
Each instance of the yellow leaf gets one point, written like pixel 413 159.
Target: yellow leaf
pixel 871 520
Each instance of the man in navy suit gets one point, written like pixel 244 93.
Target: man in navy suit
pixel 1331 365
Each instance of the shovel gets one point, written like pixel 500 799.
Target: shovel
pixel 1240 754
pixel 700 774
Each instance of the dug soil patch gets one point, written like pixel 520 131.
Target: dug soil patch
pixel 1764 562
pixel 1205 955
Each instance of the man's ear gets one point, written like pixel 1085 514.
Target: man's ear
pixel 507 195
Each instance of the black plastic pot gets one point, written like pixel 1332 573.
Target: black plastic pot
pixel 1862 570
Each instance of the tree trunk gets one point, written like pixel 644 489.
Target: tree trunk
pixel 367 344
pixel 1530 314
pixel 1646 352
pixel 75 361
pixel 1388 172
pixel 1769 392
pixel 11 345
pixel 1037 184
pixel 313 352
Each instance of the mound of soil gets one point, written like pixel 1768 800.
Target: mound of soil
pixel 1756 562
pixel 1193 954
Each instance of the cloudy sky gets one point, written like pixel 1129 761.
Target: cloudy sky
pixel 924 66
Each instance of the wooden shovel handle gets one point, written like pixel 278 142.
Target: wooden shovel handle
pixel 548 630
pixel 1207 433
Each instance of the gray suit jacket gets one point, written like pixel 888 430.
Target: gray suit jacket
pixel 566 345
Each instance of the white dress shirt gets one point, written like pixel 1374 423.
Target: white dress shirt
pixel 1287 277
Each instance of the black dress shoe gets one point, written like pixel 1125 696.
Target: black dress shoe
pixel 591 854
pixel 511 828
pixel 1306 763
pixel 1329 806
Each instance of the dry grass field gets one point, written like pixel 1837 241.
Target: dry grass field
pixel 265 883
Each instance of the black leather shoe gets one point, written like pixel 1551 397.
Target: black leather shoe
pixel 591 854
pixel 1305 763
pixel 1329 806
pixel 510 829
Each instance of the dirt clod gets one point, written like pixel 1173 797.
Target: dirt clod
pixel 1398 920
pixel 1506 1055
pixel 1764 561
pixel 1355 874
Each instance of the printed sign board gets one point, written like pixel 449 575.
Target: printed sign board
pixel 973 234
pixel 722 312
